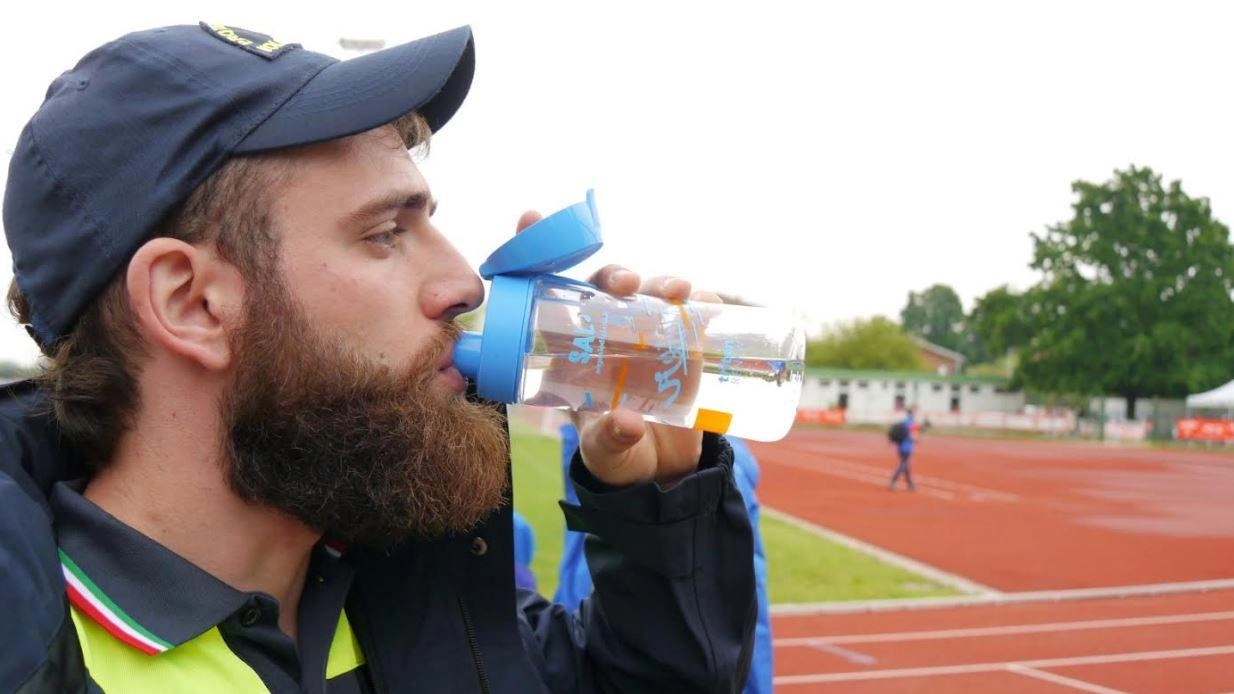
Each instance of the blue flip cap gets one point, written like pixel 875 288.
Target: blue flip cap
pixel 494 358
pixel 123 138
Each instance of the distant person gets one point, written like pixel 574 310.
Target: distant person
pixel 904 435
pixel 574 579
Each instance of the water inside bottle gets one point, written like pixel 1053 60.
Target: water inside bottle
pixel 705 366
pixel 756 400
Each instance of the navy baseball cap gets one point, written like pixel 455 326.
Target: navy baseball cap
pixel 123 138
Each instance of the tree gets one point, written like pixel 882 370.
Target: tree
pixel 998 322
pixel 877 343
pixel 1135 294
pixel 937 315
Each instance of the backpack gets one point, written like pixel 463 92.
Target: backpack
pixel 897 433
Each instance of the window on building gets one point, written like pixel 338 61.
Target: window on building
pixel 937 387
pixel 955 404
pixel 974 389
pixel 824 381
pixel 843 383
pixel 863 384
pixel 1001 389
pixel 900 385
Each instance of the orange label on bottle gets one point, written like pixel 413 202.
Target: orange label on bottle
pixel 713 420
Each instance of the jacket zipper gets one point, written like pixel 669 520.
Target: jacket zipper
pixel 474 647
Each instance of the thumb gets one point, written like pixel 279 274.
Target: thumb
pixel 607 444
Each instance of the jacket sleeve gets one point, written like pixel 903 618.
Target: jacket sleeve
pixel 674 606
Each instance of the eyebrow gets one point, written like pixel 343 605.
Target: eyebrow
pixel 397 200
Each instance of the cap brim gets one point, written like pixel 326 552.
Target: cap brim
pixel 430 76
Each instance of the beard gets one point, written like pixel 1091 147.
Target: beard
pixel 358 451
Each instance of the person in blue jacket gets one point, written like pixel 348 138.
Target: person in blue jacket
pixel 574 578
pixel 905 449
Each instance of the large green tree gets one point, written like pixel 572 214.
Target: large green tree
pixel 1135 294
pixel 877 343
pixel 937 315
pixel 998 321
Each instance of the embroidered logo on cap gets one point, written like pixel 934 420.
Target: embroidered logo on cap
pixel 251 41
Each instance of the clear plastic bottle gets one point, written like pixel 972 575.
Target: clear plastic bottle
pixel 556 342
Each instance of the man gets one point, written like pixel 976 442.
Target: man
pixel 907 437
pixel 250 465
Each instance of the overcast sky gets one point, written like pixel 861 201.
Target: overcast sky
pixel 828 160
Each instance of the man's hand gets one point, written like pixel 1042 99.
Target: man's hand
pixel 619 447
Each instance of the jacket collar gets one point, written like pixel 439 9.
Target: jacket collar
pixel 141 592
pixel 138 590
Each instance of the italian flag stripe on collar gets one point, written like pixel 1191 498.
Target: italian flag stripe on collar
pixel 87 597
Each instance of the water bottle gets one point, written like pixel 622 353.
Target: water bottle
pixel 557 342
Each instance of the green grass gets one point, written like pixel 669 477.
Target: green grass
pixel 801 566
pixel 537 488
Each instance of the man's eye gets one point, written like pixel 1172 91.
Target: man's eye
pixel 386 238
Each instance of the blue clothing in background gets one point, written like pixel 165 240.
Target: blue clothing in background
pixel 524 551
pixel 574 579
pixel 910 426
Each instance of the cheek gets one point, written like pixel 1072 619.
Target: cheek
pixel 375 311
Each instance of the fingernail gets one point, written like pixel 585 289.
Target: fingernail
pixel 622 276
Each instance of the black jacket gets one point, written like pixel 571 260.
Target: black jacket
pixel 673 610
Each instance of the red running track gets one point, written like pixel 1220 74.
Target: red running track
pixel 1171 644
pixel 1017 516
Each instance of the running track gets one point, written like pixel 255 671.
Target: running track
pixel 1092 568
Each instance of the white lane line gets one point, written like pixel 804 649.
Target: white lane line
pixel 878 480
pixel 845 653
pixel 996 598
pixel 974 491
pixel 827 458
pixel 787 680
pixel 937 575
pixel 896 637
pixel 1065 681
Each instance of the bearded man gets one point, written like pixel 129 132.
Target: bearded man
pixel 250 464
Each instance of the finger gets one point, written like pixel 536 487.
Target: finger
pixel 672 288
pixel 706 297
pixel 615 280
pixel 527 219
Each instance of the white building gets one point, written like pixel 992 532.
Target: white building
pixel 880 396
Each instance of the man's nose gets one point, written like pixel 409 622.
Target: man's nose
pixel 455 288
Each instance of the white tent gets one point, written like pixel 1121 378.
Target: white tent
pixel 1220 397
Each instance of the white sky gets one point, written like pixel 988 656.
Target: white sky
pixel 823 157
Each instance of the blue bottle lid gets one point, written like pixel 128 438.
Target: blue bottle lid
pixel 557 242
pixel 494 359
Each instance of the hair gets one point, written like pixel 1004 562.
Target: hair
pixel 92 375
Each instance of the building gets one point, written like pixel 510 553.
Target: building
pixel 940 360
pixel 840 396
pixel 865 394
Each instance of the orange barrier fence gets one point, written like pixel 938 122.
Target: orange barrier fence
pixel 1200 429
pixel 834 417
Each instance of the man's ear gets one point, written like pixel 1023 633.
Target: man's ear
pixel 186 299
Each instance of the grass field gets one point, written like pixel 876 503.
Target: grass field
pixel 802 567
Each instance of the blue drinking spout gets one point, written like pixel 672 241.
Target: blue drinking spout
pixel 467 354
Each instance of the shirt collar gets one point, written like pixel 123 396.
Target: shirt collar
pixel 141 592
